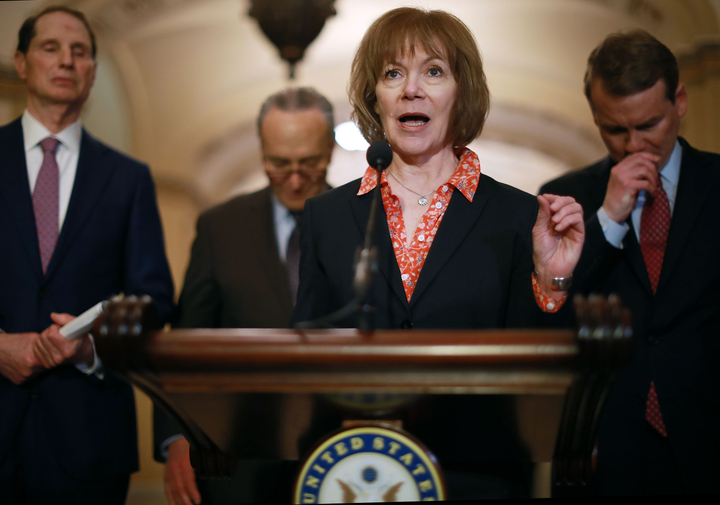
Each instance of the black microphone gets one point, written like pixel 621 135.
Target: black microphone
pixel 379 155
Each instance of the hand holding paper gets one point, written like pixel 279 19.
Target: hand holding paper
pixel 83 323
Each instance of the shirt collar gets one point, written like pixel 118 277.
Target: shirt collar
pixel 34 132
pixel 279 210
pixel 465 178
pixel 671 171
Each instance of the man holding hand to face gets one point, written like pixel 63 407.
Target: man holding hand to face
pixel 653 238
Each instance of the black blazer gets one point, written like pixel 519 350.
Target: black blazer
pixel 111 242
pixel 477 275
pixel 677 331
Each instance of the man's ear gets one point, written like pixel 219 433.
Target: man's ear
pixel 94 76
pixel 20 63
pixel 681 100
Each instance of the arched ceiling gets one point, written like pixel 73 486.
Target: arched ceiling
pixel 184 73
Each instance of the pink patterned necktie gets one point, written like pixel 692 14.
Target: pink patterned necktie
pixel 46 201
pixel 654 227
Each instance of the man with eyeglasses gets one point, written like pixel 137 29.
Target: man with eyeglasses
pixel 243 272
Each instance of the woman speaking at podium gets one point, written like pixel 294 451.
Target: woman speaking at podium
pixel 458 247
pixel 455 248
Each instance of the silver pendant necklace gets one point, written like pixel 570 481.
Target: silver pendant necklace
pixel 423 198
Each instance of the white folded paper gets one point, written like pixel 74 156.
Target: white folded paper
pixel 83 323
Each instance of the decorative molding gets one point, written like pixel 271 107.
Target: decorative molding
pixel 643 11
pixel 231 163
pixel 567 141
pixel 112 18
pixel 700 64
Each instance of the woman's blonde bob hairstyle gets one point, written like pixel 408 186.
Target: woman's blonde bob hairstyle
pixel 439 34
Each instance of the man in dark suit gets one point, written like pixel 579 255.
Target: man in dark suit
pixel 78 224
pixel 653 237
pixel 243 273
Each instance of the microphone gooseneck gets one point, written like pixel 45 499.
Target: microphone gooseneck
pixel 379 156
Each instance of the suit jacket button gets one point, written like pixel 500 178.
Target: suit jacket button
pixel 406 324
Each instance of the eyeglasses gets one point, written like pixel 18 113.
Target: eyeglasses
pixel 279 170
pixel 282 176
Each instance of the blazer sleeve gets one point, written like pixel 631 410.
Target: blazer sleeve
pixel 597 260
pixel 199 307
pixel 313 300
pixel 164 427
pixel 522 309
pixel 146 267
pixel 200 301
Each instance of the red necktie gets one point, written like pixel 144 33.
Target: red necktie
pixel 654 226
pixel 46 202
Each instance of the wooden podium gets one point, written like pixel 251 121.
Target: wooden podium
pixel 217 383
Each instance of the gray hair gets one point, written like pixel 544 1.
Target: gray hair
pixel 296 99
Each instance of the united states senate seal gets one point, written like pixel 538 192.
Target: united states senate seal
pixel 369 464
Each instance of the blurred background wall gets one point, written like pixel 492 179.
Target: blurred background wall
pixel 180 83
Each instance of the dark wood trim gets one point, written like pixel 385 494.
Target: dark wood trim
pixel 579 364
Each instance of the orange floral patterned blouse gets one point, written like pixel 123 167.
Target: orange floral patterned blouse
pixel 411 259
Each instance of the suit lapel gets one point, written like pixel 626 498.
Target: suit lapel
pixel 635 257
pixel 599 183
pixel 696 181
pixel 460 216
pixel 387 263
pixel 91 178
pixel 15 190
